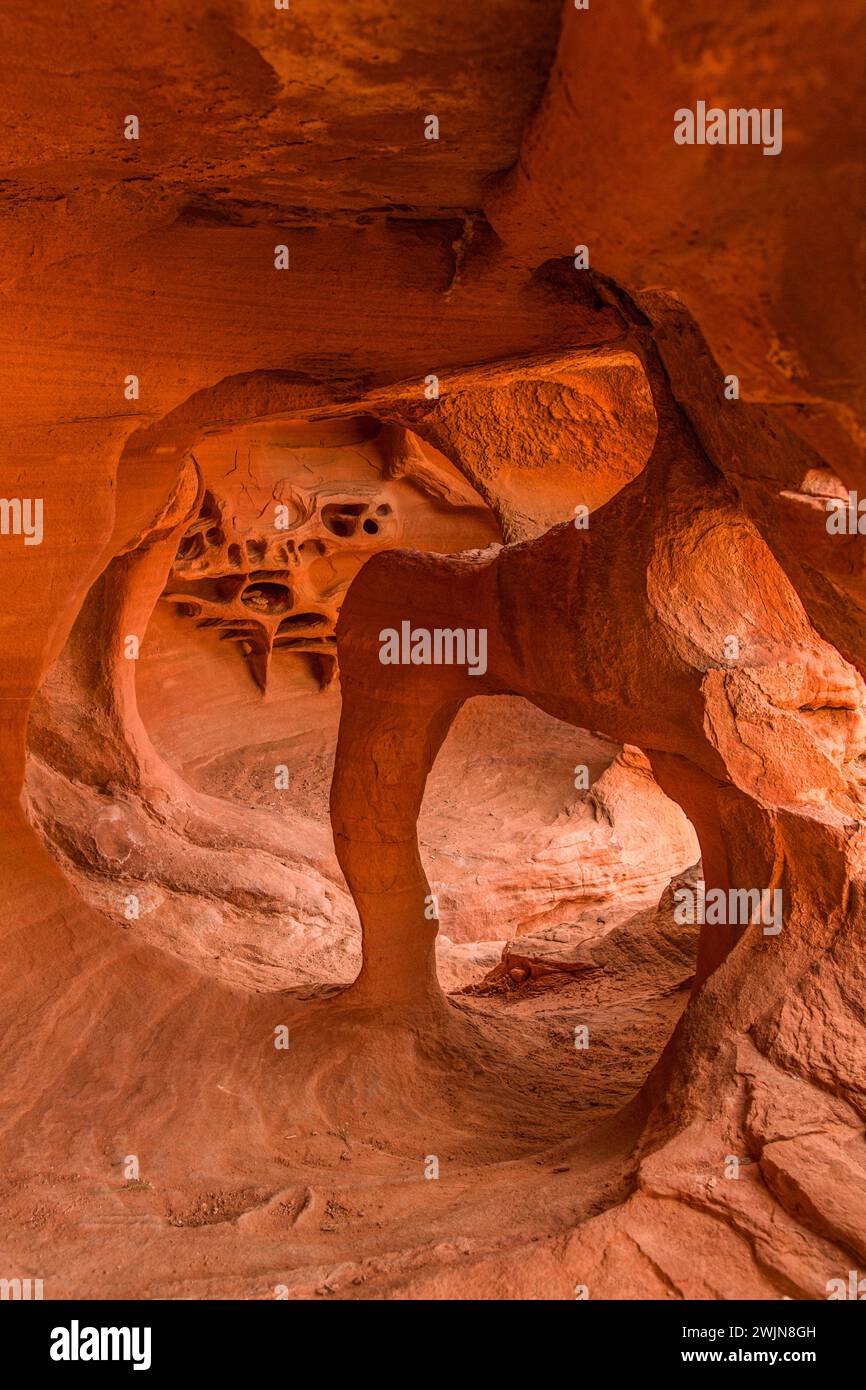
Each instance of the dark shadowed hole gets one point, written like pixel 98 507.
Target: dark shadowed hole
pixel 297 620
pixel 267 597
pixel 341 518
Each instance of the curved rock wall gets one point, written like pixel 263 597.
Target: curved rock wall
pixel 610 387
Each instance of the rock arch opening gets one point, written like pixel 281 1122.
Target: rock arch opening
pixel 554 893
pixel 159 767
pixel 218 730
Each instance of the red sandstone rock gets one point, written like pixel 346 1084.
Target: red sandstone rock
pixel 431 349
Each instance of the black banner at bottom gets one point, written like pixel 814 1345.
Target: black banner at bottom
pixel 154 1338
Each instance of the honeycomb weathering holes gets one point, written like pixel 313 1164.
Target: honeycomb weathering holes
pixel 283 528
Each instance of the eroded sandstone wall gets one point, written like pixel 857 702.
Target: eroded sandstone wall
pixel 432 285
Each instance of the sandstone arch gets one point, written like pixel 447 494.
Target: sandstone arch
pixel 597 628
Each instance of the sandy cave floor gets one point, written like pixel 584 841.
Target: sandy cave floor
pixel 327 1201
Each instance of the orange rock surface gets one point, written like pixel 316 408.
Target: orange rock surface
pixel 417 621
